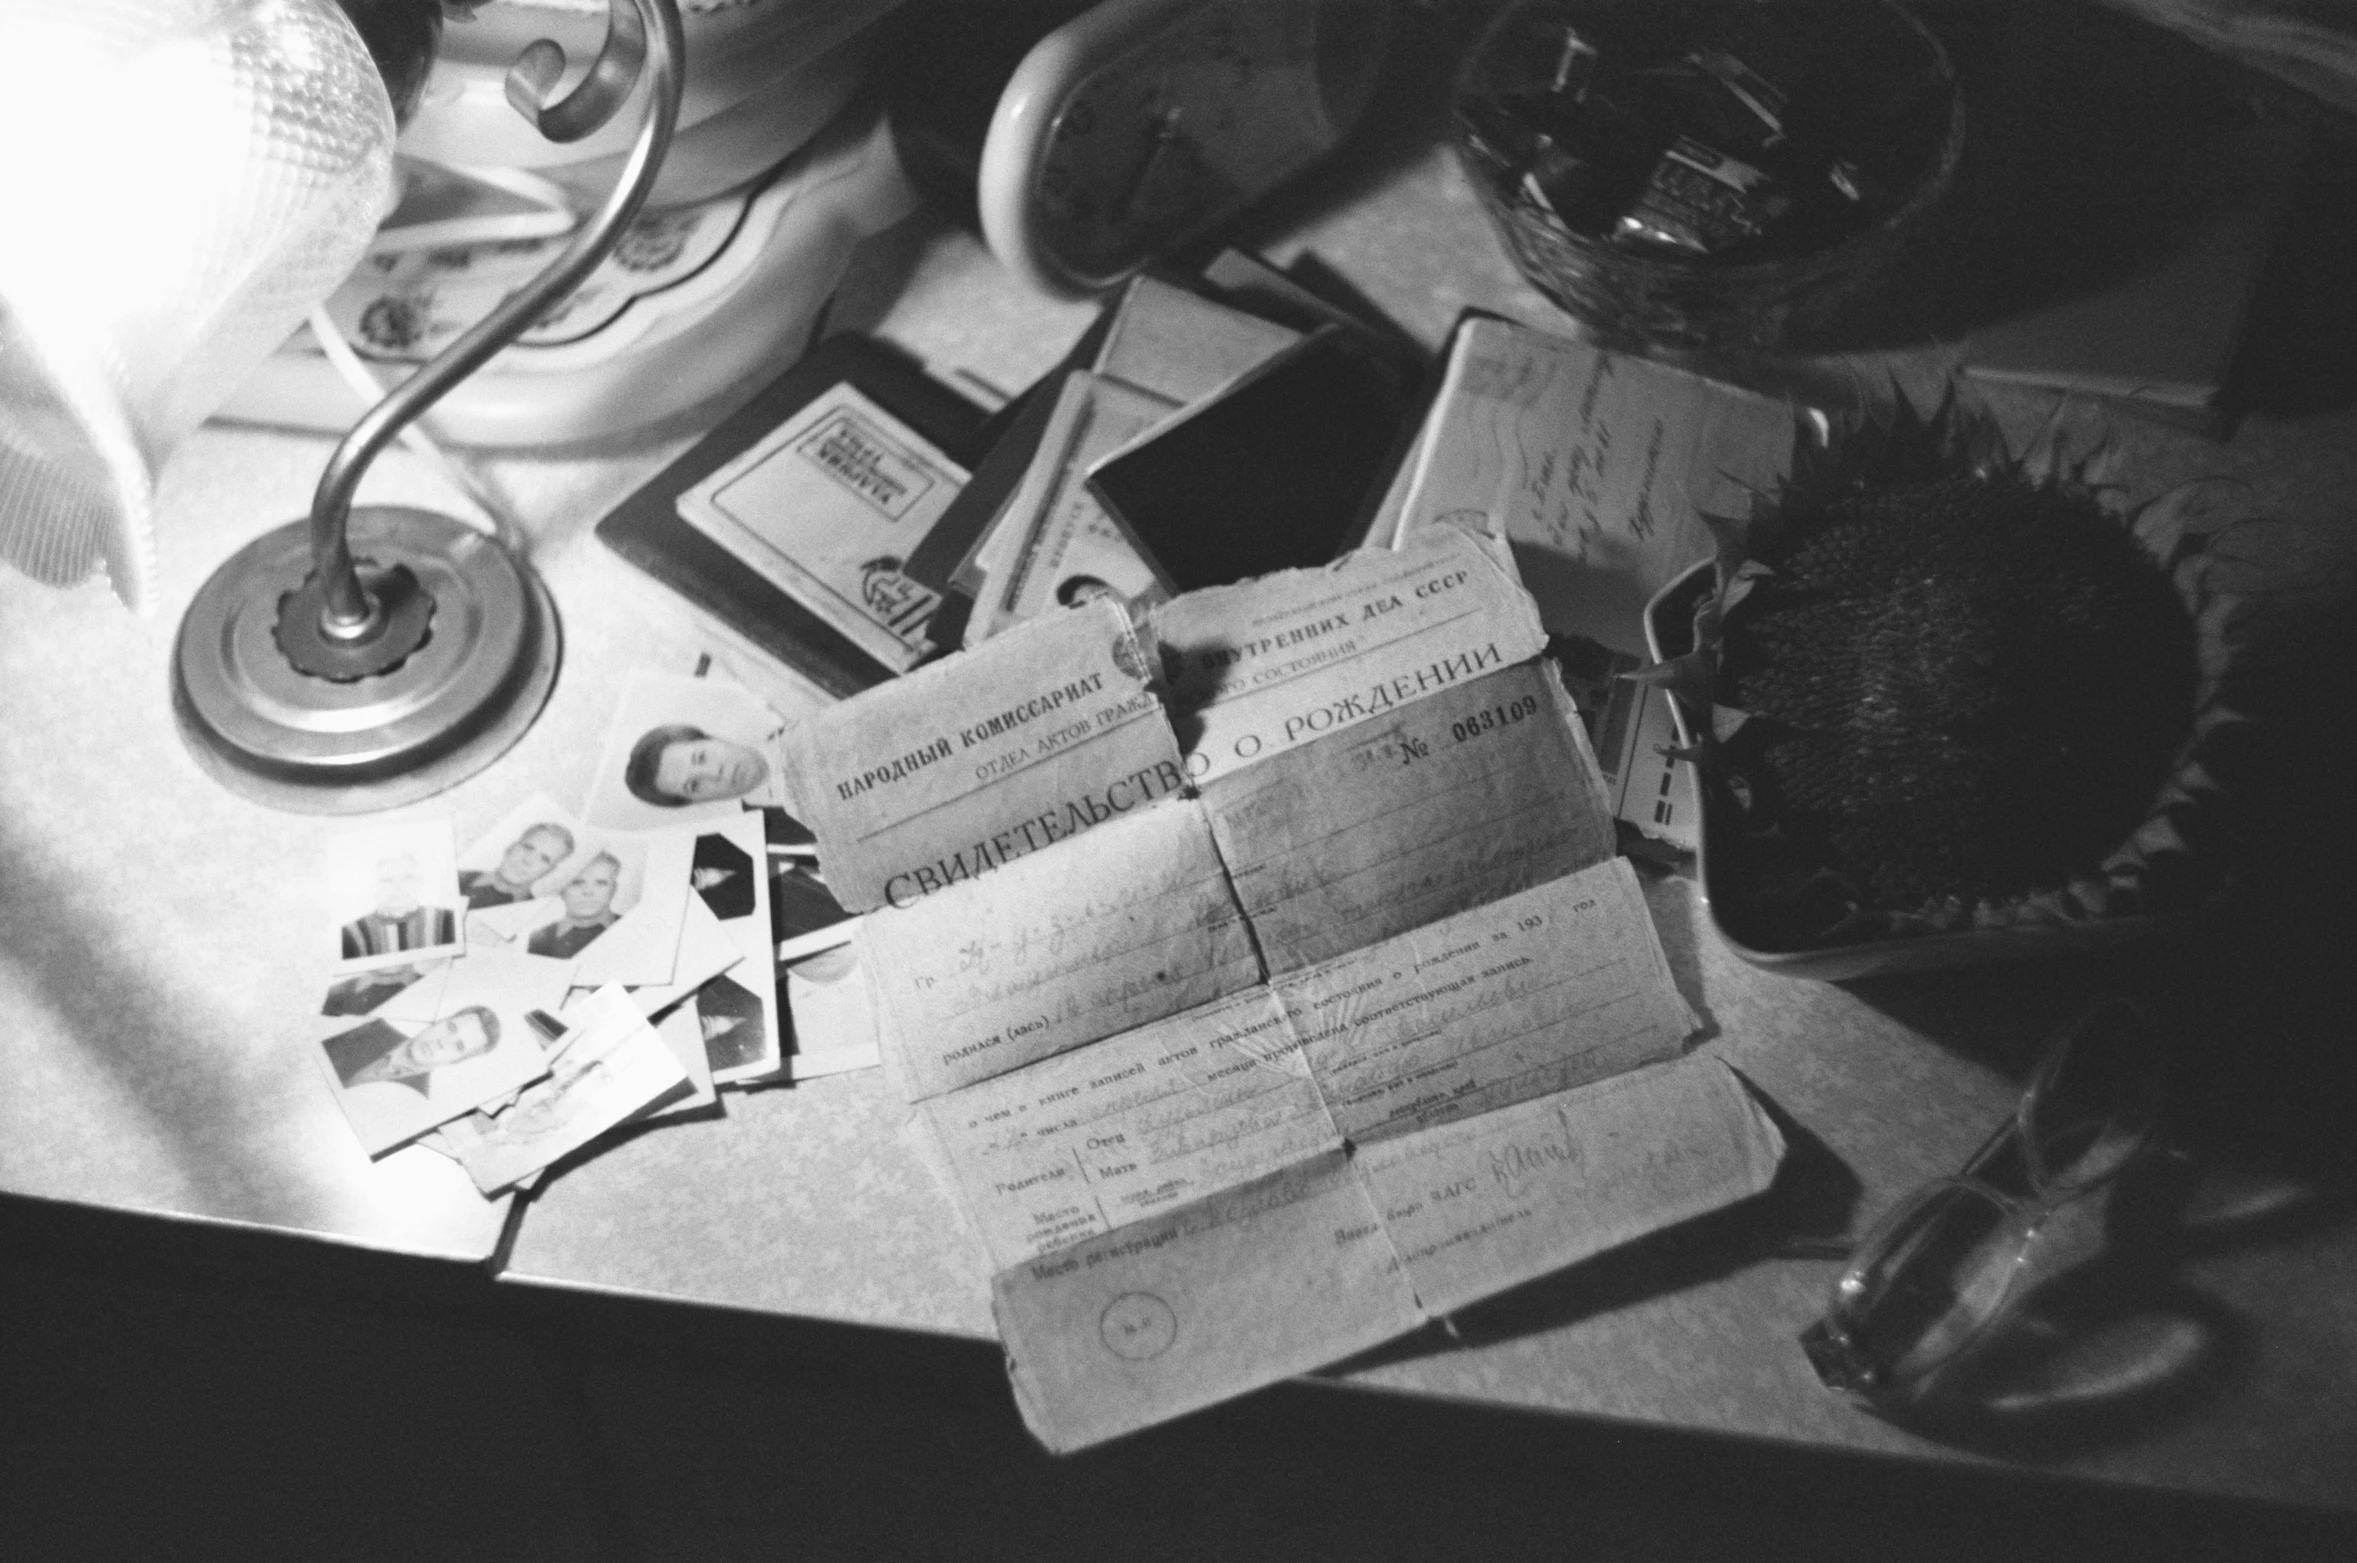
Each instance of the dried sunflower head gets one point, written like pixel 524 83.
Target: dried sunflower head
pixel 1952 687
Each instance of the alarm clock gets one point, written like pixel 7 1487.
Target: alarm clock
pixel 1137 126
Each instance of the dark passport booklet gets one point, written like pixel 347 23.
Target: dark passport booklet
pixel 646 528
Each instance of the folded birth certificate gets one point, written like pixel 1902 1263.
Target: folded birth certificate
pixel 1264 1021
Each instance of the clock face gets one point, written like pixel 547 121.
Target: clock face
pixel 1161 132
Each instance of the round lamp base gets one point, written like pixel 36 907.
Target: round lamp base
pixel 480 669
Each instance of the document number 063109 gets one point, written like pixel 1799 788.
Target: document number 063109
pixel 1493 718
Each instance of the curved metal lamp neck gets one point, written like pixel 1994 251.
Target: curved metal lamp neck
pixel 641 35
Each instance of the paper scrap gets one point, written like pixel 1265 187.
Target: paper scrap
pixel 1599 466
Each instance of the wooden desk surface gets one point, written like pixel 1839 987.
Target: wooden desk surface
pixel 156 937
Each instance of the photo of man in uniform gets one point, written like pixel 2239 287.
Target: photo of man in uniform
pixel 379 1052
pixel 677 764
pixel 525 863
pixel 399 921
pixel 589 910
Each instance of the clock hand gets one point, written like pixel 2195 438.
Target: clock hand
pixel 1166 130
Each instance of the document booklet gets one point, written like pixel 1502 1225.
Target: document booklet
pixel 1241 1058
pixel 1597 465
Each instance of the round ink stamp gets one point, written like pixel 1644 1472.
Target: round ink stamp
pixel 1138 1326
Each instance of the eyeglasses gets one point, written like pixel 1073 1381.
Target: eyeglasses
pixel 1925 1284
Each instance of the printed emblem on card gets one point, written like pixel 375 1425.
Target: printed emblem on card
pixel 858 454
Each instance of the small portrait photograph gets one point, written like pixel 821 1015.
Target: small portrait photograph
pixel 683 751
pixel 740 1037
pixel 393 892
pixel 683 1034
pixel 787 835
pixel 507 927
pixel 707 947
pixel 629 933
pixel 593 895
pixel 1073 590
pixel 832 1016
pixel 512 861
pixel 399 1073
pixel 723 875
pixel 804 915
pixel 364 991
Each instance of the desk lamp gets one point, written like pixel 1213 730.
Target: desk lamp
pixel 362 657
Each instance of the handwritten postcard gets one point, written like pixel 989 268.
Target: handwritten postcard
pixel 1599 466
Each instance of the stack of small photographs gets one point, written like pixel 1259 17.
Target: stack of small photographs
pixel 570 972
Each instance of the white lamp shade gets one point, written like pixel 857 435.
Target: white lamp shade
pixel 186 178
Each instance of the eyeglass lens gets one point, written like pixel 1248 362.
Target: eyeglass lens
pixel 1937 1272
pixel 1942 1264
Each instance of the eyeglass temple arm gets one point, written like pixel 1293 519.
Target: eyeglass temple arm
pixel 640 35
